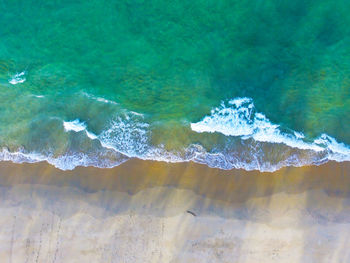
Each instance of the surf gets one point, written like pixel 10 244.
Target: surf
pixel 250 141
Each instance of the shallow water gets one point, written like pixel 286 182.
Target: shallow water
pixel 139 79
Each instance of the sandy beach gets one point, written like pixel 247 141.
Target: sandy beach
pixel 144 211
pixel 197 131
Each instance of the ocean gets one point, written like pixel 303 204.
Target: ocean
pixel 254 85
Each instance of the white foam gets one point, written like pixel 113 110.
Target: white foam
pixel 17 78
pixel 339 151
pixel 20 157
pixel 74 125
pixel 128 134
pixel 240 119
pixel 299 135
pixel 230 121
pixel 78 126
pixel 252 142
pixel 64 162
pixel 91 135
pixel 99 99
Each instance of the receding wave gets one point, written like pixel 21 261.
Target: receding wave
pixel 250 141
pixel 68 161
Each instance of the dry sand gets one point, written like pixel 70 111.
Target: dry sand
pixel 137 212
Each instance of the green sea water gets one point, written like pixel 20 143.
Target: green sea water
pixel 134 75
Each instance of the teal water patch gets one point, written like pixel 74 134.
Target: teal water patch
pixel 136 74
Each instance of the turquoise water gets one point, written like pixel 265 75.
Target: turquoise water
pixel 232 84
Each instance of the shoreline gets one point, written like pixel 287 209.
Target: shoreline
pixel 144 211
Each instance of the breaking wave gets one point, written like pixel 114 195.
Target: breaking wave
pixel 250 142
pixel 239 119
pixel 17 78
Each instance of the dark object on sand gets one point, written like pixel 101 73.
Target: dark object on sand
pixel 190 212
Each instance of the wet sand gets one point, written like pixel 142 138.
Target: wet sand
pixel 145 211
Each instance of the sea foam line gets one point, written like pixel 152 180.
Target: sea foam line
pixel 68 161
pixel 99 99
pixel 129 136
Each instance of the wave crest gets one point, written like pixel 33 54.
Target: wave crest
pixel 18 78
pixel 240 119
